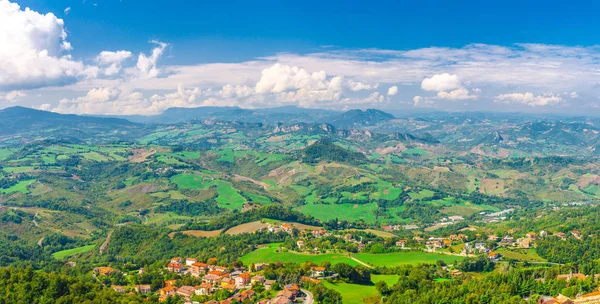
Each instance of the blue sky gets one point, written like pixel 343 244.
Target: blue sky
pixel 529 56
pixel 242 30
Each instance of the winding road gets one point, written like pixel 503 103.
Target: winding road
pixel 309 299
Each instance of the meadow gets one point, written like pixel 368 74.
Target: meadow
pixel 20 187
pixel 351 212
pixel 355 293
pixel 69 252
pixel 270 254
pixel 404 258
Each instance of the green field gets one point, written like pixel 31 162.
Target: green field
pixel 190 181
pixel 269 254
pixel 403 258
pixel 228 197
pixel 521 254
pixel 421 194
pixel 19 187
pixel 350 212
pixel 22 169
pixel 69 252
pixel 354 293
pixel 5 153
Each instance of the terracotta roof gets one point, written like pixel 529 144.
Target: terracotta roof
pixel 245 275
pixel 169 288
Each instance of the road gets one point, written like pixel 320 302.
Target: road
pixel 309 297
pixel 361 262
pixel 105 244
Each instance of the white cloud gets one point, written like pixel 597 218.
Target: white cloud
pixel 45 107
pixel 67 10
pixel 229 91
pixel 280 78
pixel 419 101
pixel 458 94
pixel 12 96
pixel 441 82
pixel 112 61
pixel 356 86
pixel 295 85
pixel 32 47
pixel 375 97
pixel 392 91
pixel 146 66
pixel 529 99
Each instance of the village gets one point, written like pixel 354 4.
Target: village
pixel 242 284
pixel 236 283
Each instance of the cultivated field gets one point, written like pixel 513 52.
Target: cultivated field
pixel 269 254
pixel 69 252
pixel 355 293
pixel 403 258
pixel 246 228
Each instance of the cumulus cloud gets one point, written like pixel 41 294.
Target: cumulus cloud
pixel 441 82
pixel 238 91
pixel 292 84
pixel 111 61
pixel 12 96
pixel 45 107
pixel 280 78
pixel 375 97
pixel 392 91
pixel 458 94
pixel 529 99
pixel 32 49
pixel 356 86
pixel 146 66
pixel 115 101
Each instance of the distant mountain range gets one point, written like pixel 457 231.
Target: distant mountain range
pixel 288 114
pixel 20 119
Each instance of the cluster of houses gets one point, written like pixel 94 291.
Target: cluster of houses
pixel 590 298
pixel 437 243
pixel 218 277
pixel 496 216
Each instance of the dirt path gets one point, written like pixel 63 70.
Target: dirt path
pixel 41 242
pixel 245 178
pixel 105 244
pixel 361 262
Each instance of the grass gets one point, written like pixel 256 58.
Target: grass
pixel 189 181
pixel 383 234
pixel 70 252
pixel 355 293
pixel 20 187
pixel 350 212
pixel 521 254
pixel 257 198
pixel 95 156
pixel 5 153
pixel 415 151
pixel 228 197
pixel 226 156
pixel 269 254
pixel 404 258
pixel 421 194
pixel 23 169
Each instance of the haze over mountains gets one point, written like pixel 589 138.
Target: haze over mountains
pixel 484 132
